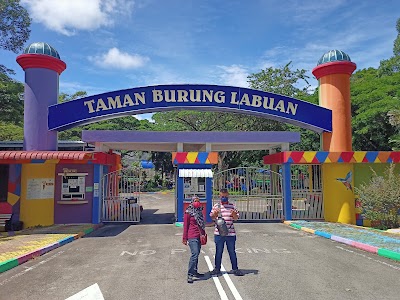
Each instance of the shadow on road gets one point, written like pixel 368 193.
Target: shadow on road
pixel 244 271
pixel 150 216
pixel 108 230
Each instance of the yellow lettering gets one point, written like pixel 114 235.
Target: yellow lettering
pixel 89 104
pixel 219 97
pixel 292 108
pixel 128 101
pixel 245 99
pixel 170 96
pixel 194 98
pixel 208 95
pixel 268 103
pixel 140 97
pixel 101 105
pixel 114 103
pixel 182 96
pixel 157 96
pixel 256 101
pixel 233 98
pixel 280 106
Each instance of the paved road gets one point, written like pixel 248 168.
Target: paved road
pixel 148 261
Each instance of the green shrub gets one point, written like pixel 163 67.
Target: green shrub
pixel 380 198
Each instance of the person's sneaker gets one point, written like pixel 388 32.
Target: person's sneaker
pixel 237 272
pixel 197 274
pixel 190 279
pixel 216 272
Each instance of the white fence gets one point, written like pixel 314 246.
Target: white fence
pixel 257 193
pixel 307 199
pixel 121 196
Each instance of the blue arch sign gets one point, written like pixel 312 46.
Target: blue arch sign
pixel 191 97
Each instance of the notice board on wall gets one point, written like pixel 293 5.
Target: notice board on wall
pixel 40 188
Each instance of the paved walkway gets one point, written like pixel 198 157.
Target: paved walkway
pixel 383 243
pixel 18 247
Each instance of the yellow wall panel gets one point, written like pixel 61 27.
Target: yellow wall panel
pixel 36 211
pixel 339 203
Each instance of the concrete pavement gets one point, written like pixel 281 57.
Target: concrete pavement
pixel 21 246
pixel 382 243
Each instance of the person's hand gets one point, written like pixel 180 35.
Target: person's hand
pixel 215 214
pixel 184 242
pixel 234 214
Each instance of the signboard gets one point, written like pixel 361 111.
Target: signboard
pixel 194 97
pixel 40 188
pixel 73 187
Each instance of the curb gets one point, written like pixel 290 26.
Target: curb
pixel 179 224
pixel 12 263
pixel 372 249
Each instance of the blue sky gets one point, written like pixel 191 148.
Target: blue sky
pixel 116 44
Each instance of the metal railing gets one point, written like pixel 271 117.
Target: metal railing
pixel 121 196
pixel 256 192
pixel 307 197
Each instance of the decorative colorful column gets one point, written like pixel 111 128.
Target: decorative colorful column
pixel 333 73
pixel 194 178
pixel 42 66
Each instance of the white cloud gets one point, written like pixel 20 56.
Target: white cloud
pixel 148 117
pixel 67 16
pixel 234 75
pixel 69 87
pixel 116 59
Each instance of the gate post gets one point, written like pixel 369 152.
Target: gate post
pixel 96 197
pixel 209 196
pixel 287 191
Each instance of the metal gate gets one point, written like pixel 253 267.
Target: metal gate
pixel 121 196
pixel 257 193
pixel 307 200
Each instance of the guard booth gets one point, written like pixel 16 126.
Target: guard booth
pixel 194 177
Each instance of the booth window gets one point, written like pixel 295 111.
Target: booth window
pixel 4 170
pixel 73 186
pixel 194 186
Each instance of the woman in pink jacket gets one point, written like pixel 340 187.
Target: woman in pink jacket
pixel 193 227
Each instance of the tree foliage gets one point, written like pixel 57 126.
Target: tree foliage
pixel 392 65
pixel 373 96
pixel 14 25
pixel 380 198
pixel 285 81
pixel 11 106
pixel 14 28
pixel 122 123
pixel 11 132
pixel 14 32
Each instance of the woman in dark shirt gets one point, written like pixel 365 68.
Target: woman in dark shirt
pixel 193 226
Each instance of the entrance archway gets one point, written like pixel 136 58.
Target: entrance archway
pixel 190 97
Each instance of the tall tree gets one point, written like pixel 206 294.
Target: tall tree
pixel 392 65
pixel 63 97
pixel 283 81
pixel 14 28
pixel 11 132
pixel 14 32
pixel 11 105
pixel 389 67
pixel 373 96
pixel 121 123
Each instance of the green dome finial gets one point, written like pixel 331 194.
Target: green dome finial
pixel 42 48
pixel 333 55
